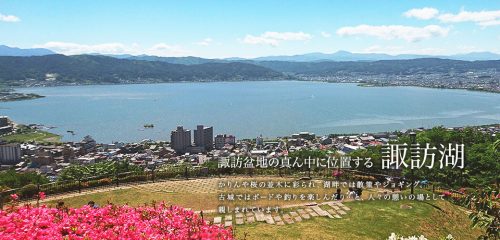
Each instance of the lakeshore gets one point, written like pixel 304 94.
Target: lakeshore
pixel 246 109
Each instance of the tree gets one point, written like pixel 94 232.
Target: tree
pixel 485 211
pixel 12 179
pixel 97 170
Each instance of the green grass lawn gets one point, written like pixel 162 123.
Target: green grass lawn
pixel 136 197
pixel 373 220
pixel 189 194
pixel 367 219
pixel 32 136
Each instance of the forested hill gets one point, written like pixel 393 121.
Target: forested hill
pixel 91 69
pixel 97 69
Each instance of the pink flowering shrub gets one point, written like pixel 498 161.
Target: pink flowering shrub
pixel 14 197
pixel 336 173
pixel 109 222
pixel 41 195
pixel 447 194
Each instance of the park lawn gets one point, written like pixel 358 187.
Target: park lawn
pixel 368 219
pixel 32 136
pixel 373 220
pixel 138 197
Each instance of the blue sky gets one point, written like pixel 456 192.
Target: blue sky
pixel 217 29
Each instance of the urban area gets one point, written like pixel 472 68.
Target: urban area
pixel 186 146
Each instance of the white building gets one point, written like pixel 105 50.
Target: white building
pixel 10 154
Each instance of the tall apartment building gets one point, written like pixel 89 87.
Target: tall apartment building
pixel 204 137
pixel 5 127
pixel 180 139
pixel 4 121
pixel 10 154
pixel 259 141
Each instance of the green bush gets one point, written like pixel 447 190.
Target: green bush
pixel 29 191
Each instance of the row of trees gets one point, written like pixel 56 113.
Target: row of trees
pixel 102 169
pixel 11 179
pixel 482 155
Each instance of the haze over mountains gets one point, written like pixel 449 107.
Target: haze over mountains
pixel 341 56
pixel 19 52
pixel 308 57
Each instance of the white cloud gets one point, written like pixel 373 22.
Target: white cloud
pixel 482 18
pixel 274 38
pixel 389 32
pixel 249 39
pixel 9 18
pixel 326 34
pixel 421 13
pixel 163 49
pixel 160 49
pixel 75 48
pixel 205 42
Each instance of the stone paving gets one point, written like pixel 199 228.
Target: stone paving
pixel 200 185
pixel 208 185
pixel 299 213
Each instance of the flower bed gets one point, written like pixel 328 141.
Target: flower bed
pixel 108 222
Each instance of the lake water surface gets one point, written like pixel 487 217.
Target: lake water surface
pixel 247 109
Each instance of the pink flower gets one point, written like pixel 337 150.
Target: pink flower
pixel 337 173
pixel 41 195
pixel 14 197
pixel 447 194
pixel 108 222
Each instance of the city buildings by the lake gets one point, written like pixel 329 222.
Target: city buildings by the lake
pixel 485 80
pixel 183 148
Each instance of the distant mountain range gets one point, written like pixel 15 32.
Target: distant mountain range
pixel 28 68
pixel 18 52
pixel 178 60
pixel 342 56
pixel 339 56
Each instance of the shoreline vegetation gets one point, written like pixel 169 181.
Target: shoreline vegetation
pixel 9 95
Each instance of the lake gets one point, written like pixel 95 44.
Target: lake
pixel 247 109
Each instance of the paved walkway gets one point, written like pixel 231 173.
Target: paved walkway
pixel 301 212
pixel 196 185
